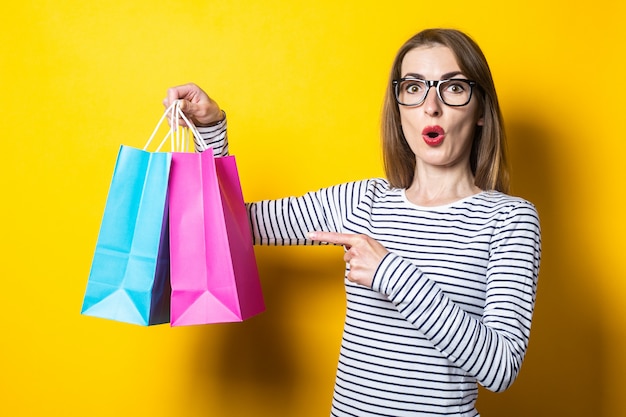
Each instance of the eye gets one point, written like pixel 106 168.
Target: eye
pixel 412 87
pixel 455 87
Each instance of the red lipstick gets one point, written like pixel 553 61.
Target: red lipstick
pixel 433 135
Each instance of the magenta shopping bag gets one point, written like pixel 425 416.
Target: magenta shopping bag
pixel 214 275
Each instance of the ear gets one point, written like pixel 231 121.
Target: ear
pixel 480 121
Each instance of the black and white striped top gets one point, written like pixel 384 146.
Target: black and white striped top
pixel 450 305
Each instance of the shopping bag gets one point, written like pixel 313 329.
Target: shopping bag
pixel 214 274
pixel 129 277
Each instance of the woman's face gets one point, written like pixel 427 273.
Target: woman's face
pixel 439 135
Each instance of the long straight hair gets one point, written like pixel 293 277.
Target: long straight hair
pixel 488 160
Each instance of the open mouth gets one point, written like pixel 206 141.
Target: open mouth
pixel 433 135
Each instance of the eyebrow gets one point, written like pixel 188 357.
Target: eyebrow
pixel 445 76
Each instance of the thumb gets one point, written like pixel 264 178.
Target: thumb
pixel 185 105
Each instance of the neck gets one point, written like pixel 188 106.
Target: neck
pixel 435 187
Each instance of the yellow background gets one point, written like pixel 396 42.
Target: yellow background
pixel 302 83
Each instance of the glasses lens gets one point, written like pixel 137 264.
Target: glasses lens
pixel 411 92
pixel 455 92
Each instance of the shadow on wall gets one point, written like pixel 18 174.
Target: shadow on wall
pixel 563 373
pixel 261 367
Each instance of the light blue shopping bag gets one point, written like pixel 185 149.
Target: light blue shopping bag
pixel 129 278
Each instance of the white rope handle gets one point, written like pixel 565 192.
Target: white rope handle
pixel 178 138
pixel 156 129
pixel 194 130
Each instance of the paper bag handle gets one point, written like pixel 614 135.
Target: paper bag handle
pixel 178 138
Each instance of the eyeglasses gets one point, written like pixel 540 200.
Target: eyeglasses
pixel 454 92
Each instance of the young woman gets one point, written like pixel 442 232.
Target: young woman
pixel 441 264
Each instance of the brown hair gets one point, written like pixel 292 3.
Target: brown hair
pixel 488 155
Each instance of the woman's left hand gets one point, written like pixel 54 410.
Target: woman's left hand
pixel 363 254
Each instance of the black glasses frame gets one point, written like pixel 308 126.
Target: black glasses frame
pixel 429 85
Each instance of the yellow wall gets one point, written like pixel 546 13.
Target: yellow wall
pixel 302 85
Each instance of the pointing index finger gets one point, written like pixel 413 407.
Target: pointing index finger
pixel 332 237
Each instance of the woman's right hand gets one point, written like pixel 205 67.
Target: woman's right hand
pixel 195 103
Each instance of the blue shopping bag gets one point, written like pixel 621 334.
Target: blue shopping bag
pixel 129 278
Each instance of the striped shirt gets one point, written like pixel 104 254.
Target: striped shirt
pixel 450 305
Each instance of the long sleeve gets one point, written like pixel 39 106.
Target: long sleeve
pixel 490 348
pixel 286 221
pixel 215 137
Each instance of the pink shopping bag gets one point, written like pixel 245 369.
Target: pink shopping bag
pixel 214 275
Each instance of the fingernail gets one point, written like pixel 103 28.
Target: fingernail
pixel 311 235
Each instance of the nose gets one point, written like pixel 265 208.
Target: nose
pixel 432 104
